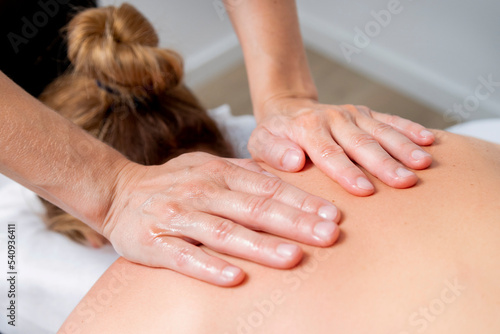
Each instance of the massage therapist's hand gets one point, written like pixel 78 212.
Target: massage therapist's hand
pixel 291 123
pixel 335 136
pixel 159 213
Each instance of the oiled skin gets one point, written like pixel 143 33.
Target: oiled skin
pixel 419 260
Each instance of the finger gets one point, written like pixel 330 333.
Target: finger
pixel 269 186
pixel 248 164
pixel 328 156
pixel 251 165
pixel 365 150
pixel 225 236
pixel 396 143
pixel 278 152
pixel 178 255
pixel 416 132
pixel 269 215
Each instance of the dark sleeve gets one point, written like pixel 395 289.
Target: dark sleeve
pixel 32 46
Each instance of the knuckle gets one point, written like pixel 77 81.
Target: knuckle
pixel 182 256
pixel 191 189
pixel 223 230
pixel 208 190
pixel 259 136
pixel 198 154
pixel 258 244
pixel 254 143
pixel 341 115
pixel 387 161
pixel 171 210
pixel 270 186
pixel 350 169
pixel 380 129
pixel 256 205
pixel 309 118
pixel 349 109
pixel 364 110
pixel 248 164
pixel 307 203
pixel 159 204
pixel 301 221
pixel 393 119
pixel 217 166
pixel 360 140
pixel 199 194
pixel 186 159
pixel 145 237
pixel 277 124
pixel 329 151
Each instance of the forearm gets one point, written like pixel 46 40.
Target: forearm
pixel 51 156
pixel 274 53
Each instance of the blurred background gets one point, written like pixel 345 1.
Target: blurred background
pixel 434 62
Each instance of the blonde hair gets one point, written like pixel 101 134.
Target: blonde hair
pixel 126 91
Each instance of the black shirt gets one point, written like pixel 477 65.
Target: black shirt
pixel 33 50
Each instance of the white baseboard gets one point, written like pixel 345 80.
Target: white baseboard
pixel 399 73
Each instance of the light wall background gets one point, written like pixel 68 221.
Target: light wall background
pixel 438 52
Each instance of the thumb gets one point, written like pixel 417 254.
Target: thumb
pixel 278 152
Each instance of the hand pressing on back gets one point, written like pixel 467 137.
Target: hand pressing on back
pixel 159 214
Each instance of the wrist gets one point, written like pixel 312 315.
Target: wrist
pixel 284 81
pixel 282 102
pixel 87 188
pixel 125 174
pixel 103 190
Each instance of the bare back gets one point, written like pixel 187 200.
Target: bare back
pixel 419 260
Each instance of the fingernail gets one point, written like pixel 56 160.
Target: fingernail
pixel 419 155
pixel 291 159
pixel 403 173
pixel 426 133
pixel 287 250
pixel 363 183
pixel 328 212
pixel 324 230
pixel 230 272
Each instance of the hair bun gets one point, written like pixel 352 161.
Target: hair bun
pixel 119 46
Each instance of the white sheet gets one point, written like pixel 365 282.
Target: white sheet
pixel 486 129
pixel 54 273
